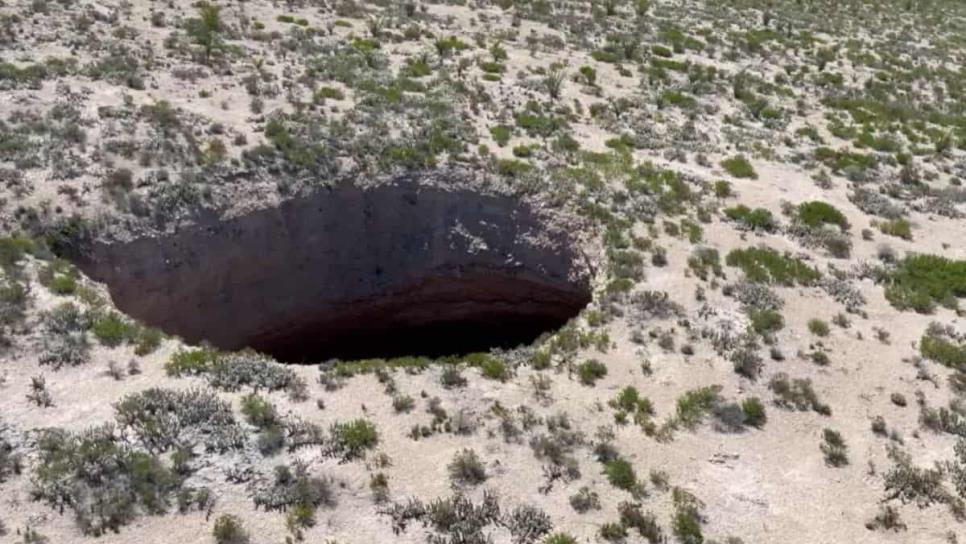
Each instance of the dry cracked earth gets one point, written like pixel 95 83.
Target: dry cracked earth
pixel 474 271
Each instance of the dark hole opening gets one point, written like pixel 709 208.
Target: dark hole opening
pixel 355 272
pixel 436 339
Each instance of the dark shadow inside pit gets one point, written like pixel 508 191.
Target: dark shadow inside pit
pixel 349 272
pixel 429 340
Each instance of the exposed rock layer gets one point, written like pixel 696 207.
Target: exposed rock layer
pixel 392 269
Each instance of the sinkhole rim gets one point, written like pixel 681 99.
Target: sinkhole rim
pixel 476 271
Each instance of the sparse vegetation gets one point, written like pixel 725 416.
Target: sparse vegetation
pixel 739 167
pixel 704 189
pixel 769 266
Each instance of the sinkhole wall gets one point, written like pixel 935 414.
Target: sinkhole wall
pixel 354 271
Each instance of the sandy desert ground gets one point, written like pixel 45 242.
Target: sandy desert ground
pixel 761 200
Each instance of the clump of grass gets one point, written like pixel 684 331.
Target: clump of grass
pixel 560 538
pixel 328 93
pixel 899 228
pixel 766 265
pixel 620 473
pixel 796 394
pixel 106 482
pixel 753 219
pixel 501 134
pixel 919 282
pixel 59 276
pixel 466 468
pixel 686 523
pixel 693 405
pixel 722 189
pixel 591 370
pixel 936 345
pixel 818 327
pixel 112 330
pixel 817 214
pixel 754 411
pixel 765 320
pixel 739 167
pixel 350 440
pixel 491 367
pixel 629 401
pixel 704 260
pixel 834 448
pixel 190 362
pixel 228 529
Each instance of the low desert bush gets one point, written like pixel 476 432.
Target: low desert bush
pixel 106 482
pixel 817 214
pixel 739 167
pixel 796 394
pixel 466 469
pixel 620 474
pixel 751 219
pixel 228 529
pixel 834 448
pixel 591 370
pixel 769 266
pixel 350 440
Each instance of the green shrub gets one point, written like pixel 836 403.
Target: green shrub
pixel 585 500
pixel 898 227
pixel 646 524
pixel 331 93
pixel 834 448
pixel 512 167
pixel 560 538
pixel 495 369
pixel 722 189
pixel 190 362
pixel 59 276
pixel 818 327
pixel 817 214
pixel 466 468
pixel 766 265
pixel 490 67
pixel 918 282
pixel 754 219
pixel 754 411
pixel 620 474
pixel 693 405
pixel 630 401
pixel 765 321
pixel 258 411
pixel 704 260
pixel 112 330
pixel 228 529
pixel 797 393
pixel 937 348
pixel 165 419
pixel 522 151
pixel 601 55
pixel 687 528
pixel 613 532
pixel 661 51
pixel 739 167
pixel 351 440
pixel 676 98
pixel 591 370
pixel 106 482
pixel 501 134
pixel 147 340
pixel 686 524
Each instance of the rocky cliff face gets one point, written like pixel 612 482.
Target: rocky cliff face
pixel 396 268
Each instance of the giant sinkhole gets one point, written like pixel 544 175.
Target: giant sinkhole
pixel 351 272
